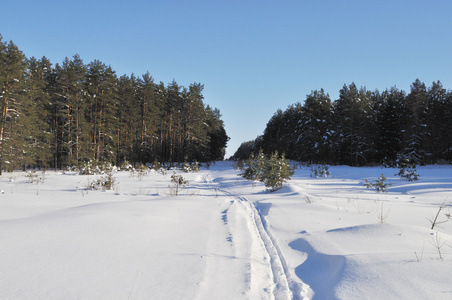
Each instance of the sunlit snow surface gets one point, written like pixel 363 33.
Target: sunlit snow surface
pixel 227 238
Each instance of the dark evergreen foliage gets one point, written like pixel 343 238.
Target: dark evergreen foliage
pixel 73 113
pixel 363 127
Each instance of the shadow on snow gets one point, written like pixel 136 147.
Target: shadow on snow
pixel 321 272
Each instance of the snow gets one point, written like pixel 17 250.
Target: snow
pixel 224 237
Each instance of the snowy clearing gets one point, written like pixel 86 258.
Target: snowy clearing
pixel 224 237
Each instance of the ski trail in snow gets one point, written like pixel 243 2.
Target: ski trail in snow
pixel 234 252
pixel 245 228
pixel 283 286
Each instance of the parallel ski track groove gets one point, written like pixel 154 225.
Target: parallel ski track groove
pixel 284 285
pixel 285 288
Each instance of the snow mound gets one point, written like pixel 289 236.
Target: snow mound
pixel 322 272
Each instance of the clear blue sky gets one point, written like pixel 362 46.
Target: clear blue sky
pixel 253 57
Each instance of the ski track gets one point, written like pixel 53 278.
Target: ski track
pixel 235 207
pixel 233 248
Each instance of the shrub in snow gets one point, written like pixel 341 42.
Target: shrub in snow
pixel 104 183
pixel 126 166
pixel 320 171
pixel 252 169
pixel 276 171
pixel 156 166
pixel 178 182
pixel 33 177
pixel 195 166
pixel 141 170
pixel 380 184
pixel 190 167
pixel 272 171
pixel 368 184
pixel 407 168
pixel 87 168
pixel 163 171
pixel 93 167
pixel 186 167
pixel 409 174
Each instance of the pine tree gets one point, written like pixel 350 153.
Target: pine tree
pixel 101 87
pixel 245 150
pixel 38 137
pixel 437 143
pixel 273 132
pixel 217 137
pixel 196 124
pixel 351 125
pixel 389 110
pixel 12 68
pixel 415 130
pixel 447 132
pixel 282 131
pixel 128 126
pixel 150 111
pixel 313 139
pixel 68 112
pixel 172 110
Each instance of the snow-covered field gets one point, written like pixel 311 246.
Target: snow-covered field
pixel 224 237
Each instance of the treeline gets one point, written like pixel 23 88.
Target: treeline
pixel 67 114
pixel 362 127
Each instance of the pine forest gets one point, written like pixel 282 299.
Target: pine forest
pixel 360 128
pixel 70 113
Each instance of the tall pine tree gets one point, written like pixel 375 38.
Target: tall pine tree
pixel 12 68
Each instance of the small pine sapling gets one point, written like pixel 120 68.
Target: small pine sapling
pixel 277 170
pixel 407 168
pixel 105 183
pixel 252 168
pixel 368 184
pixel 178 182
pixel 32 176
pixel 381 184
pixel 320 171
pixel 195 166
pixel 142 170
pixel 408 174
pixel 163 171
pixel 273 171
pixel 191 167
pixel 382 214
pixel 156 166
pixel 186 167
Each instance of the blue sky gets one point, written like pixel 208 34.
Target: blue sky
pixel 253 57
